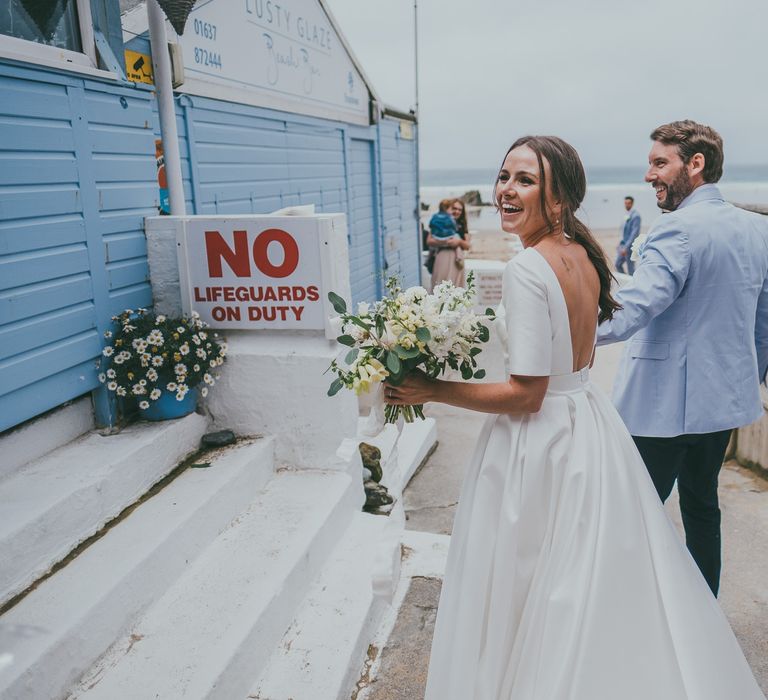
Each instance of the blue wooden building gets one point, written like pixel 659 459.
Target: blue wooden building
pixel 285 118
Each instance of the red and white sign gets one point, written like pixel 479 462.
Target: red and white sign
pixel 261 272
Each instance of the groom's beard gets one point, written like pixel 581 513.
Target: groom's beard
pixel 677 191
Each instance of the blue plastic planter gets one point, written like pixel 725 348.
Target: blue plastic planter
pixel 167 407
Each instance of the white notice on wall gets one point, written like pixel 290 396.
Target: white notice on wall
pixel 284 55
pixel 260 272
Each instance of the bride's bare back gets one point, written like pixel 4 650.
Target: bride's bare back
pixel 581 289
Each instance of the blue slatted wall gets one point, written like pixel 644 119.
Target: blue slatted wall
pixel 365 254
pixel 77 175
pixel 399 203
pixel 251 160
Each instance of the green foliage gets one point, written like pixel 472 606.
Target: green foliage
pixel 339 305
pixel 336 386
pixel 423 335
pixel 393 363
pixel 346 340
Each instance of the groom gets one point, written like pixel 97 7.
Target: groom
pixel 696 319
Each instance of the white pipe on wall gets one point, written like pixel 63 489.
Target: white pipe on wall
pixel 161 64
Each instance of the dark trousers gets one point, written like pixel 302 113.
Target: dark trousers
pixel 695 461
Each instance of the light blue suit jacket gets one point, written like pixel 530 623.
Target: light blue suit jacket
pixel 696 319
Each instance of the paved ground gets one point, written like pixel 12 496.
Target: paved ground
pixel 430 502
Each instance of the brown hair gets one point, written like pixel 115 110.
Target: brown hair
pixel 445 204
pixel 569 185
pixel 461 223
pixel 691 138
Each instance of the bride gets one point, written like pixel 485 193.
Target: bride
pixel 565 578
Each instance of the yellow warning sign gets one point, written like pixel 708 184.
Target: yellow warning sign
pixel 406 130
pixel 138 67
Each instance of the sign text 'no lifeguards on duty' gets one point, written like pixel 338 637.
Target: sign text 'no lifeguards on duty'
pixel 259 272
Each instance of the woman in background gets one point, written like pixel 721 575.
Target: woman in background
pixel 448 243
pixel 458 211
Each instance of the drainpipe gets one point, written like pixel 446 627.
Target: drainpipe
pixel 161 63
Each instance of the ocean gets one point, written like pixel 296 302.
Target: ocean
pixel 603 206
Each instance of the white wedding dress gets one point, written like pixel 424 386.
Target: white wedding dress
pixel 565 579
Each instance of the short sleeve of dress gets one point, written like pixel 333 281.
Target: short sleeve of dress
pixel 527 319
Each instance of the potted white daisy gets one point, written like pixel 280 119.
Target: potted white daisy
pixel 160 362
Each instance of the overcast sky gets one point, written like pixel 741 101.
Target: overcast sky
pixel 599 73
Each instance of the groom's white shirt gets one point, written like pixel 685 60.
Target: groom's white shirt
pixel 695 315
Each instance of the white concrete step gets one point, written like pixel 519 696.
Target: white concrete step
pixel 38 437
pixel 321 655
pixel 55 634
pixel 213 631
pixel 56 502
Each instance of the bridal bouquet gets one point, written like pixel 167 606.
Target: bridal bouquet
pixel 405 330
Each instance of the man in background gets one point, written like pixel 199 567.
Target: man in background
pixel 629 232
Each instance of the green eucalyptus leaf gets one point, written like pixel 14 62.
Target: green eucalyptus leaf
pixel 480 374
pixel 351 356
pixel 336 386
pixel 423 335
pixel 483 334
pixel 339 305
pixel 393 363
pixel 358 322
pixel 408 354
pixel 346 340
pixel 466 372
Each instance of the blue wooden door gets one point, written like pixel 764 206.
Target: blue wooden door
pixel 366 266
